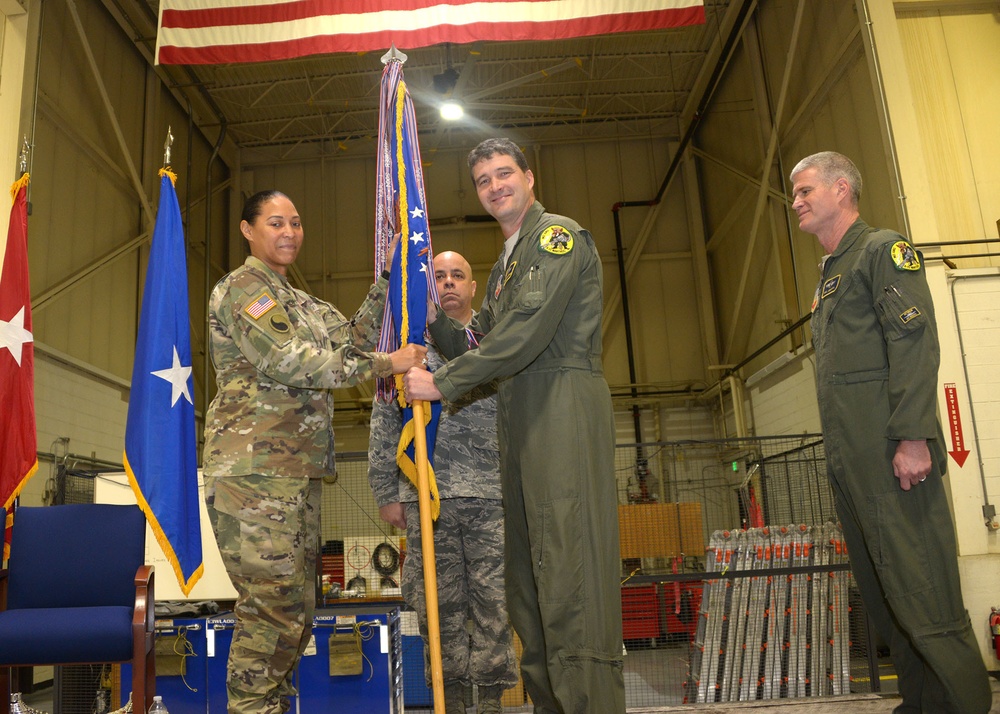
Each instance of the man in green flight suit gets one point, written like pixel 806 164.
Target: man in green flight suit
pixel 877 359
pixel 542 323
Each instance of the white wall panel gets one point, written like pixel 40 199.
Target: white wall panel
pixel 975 300
pixel 784 401
pixel 77 403
pixel 85 203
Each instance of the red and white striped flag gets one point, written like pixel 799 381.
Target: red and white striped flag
pixel 223 31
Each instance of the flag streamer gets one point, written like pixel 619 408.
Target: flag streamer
pixel 17 361
pixel 160 441
pixel 401 208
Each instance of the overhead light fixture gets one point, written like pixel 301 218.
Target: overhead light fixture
pixel 452 110
pixel 445 82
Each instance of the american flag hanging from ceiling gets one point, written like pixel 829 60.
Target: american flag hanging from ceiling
pixel 224 31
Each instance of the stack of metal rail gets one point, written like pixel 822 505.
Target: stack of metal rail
pixel 774 618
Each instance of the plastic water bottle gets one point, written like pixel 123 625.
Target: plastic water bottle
pixel 158 707
pixel 16 706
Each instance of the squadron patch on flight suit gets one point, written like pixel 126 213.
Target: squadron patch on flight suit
pixel 503 281
pixel 909 314
pixel 830 286
pixel 904 256
pixel 260 306
pixel 556 240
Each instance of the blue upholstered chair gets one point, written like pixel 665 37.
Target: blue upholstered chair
pixel 77 591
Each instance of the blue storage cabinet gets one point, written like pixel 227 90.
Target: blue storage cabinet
pixel 177 690
pixel 416 693
pixel 379 687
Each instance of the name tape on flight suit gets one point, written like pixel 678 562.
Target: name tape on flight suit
pixel 909 314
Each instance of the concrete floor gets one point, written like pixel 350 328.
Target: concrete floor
pixel 849 704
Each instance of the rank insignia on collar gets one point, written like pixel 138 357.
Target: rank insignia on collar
pixel 830 286
pixel 904 256
pixel 556 240
pixel 260 306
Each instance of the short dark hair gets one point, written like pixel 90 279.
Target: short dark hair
pixel 832 166
pixel 255 204
pixel 491 147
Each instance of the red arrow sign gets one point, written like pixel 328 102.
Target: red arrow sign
pixel 958 450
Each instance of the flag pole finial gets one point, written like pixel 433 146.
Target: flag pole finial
pixel 22 162
pixel 393 54
pixel 168 142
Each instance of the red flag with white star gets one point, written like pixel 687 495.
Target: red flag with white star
pixel 18 446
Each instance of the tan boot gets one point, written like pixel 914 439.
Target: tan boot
pixel 454 698
pixel 489 700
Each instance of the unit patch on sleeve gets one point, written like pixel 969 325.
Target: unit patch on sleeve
pixel 904 256
pixel 909 314
pixel 260 306
pixel 556 240
pixel 279 323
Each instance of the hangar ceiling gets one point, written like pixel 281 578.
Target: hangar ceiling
pixel 610 86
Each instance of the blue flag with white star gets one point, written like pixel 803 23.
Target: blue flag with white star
pixel 160 441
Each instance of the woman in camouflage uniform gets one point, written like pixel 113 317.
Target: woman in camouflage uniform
pixel 278 354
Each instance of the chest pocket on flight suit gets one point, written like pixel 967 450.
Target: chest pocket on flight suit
pixel 532 294
pixel 898 312
pixel 523 290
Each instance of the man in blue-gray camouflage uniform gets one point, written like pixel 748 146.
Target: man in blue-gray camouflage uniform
pixel 468 535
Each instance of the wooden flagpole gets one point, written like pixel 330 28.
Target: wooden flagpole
pixel 423 474
pixel 430 562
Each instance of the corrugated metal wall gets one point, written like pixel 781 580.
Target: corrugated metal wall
pixel 84 201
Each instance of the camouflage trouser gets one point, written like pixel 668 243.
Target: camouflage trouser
pixel 267 528
pixel 468 549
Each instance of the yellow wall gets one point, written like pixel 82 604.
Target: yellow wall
pixel 13 26
pixel 954 71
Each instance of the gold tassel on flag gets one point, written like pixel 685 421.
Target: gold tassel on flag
pixel 18 185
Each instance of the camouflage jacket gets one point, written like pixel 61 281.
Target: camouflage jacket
pixel 278 354
pixel 466 453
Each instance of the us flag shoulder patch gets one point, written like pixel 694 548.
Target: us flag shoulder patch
pixel 260 306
